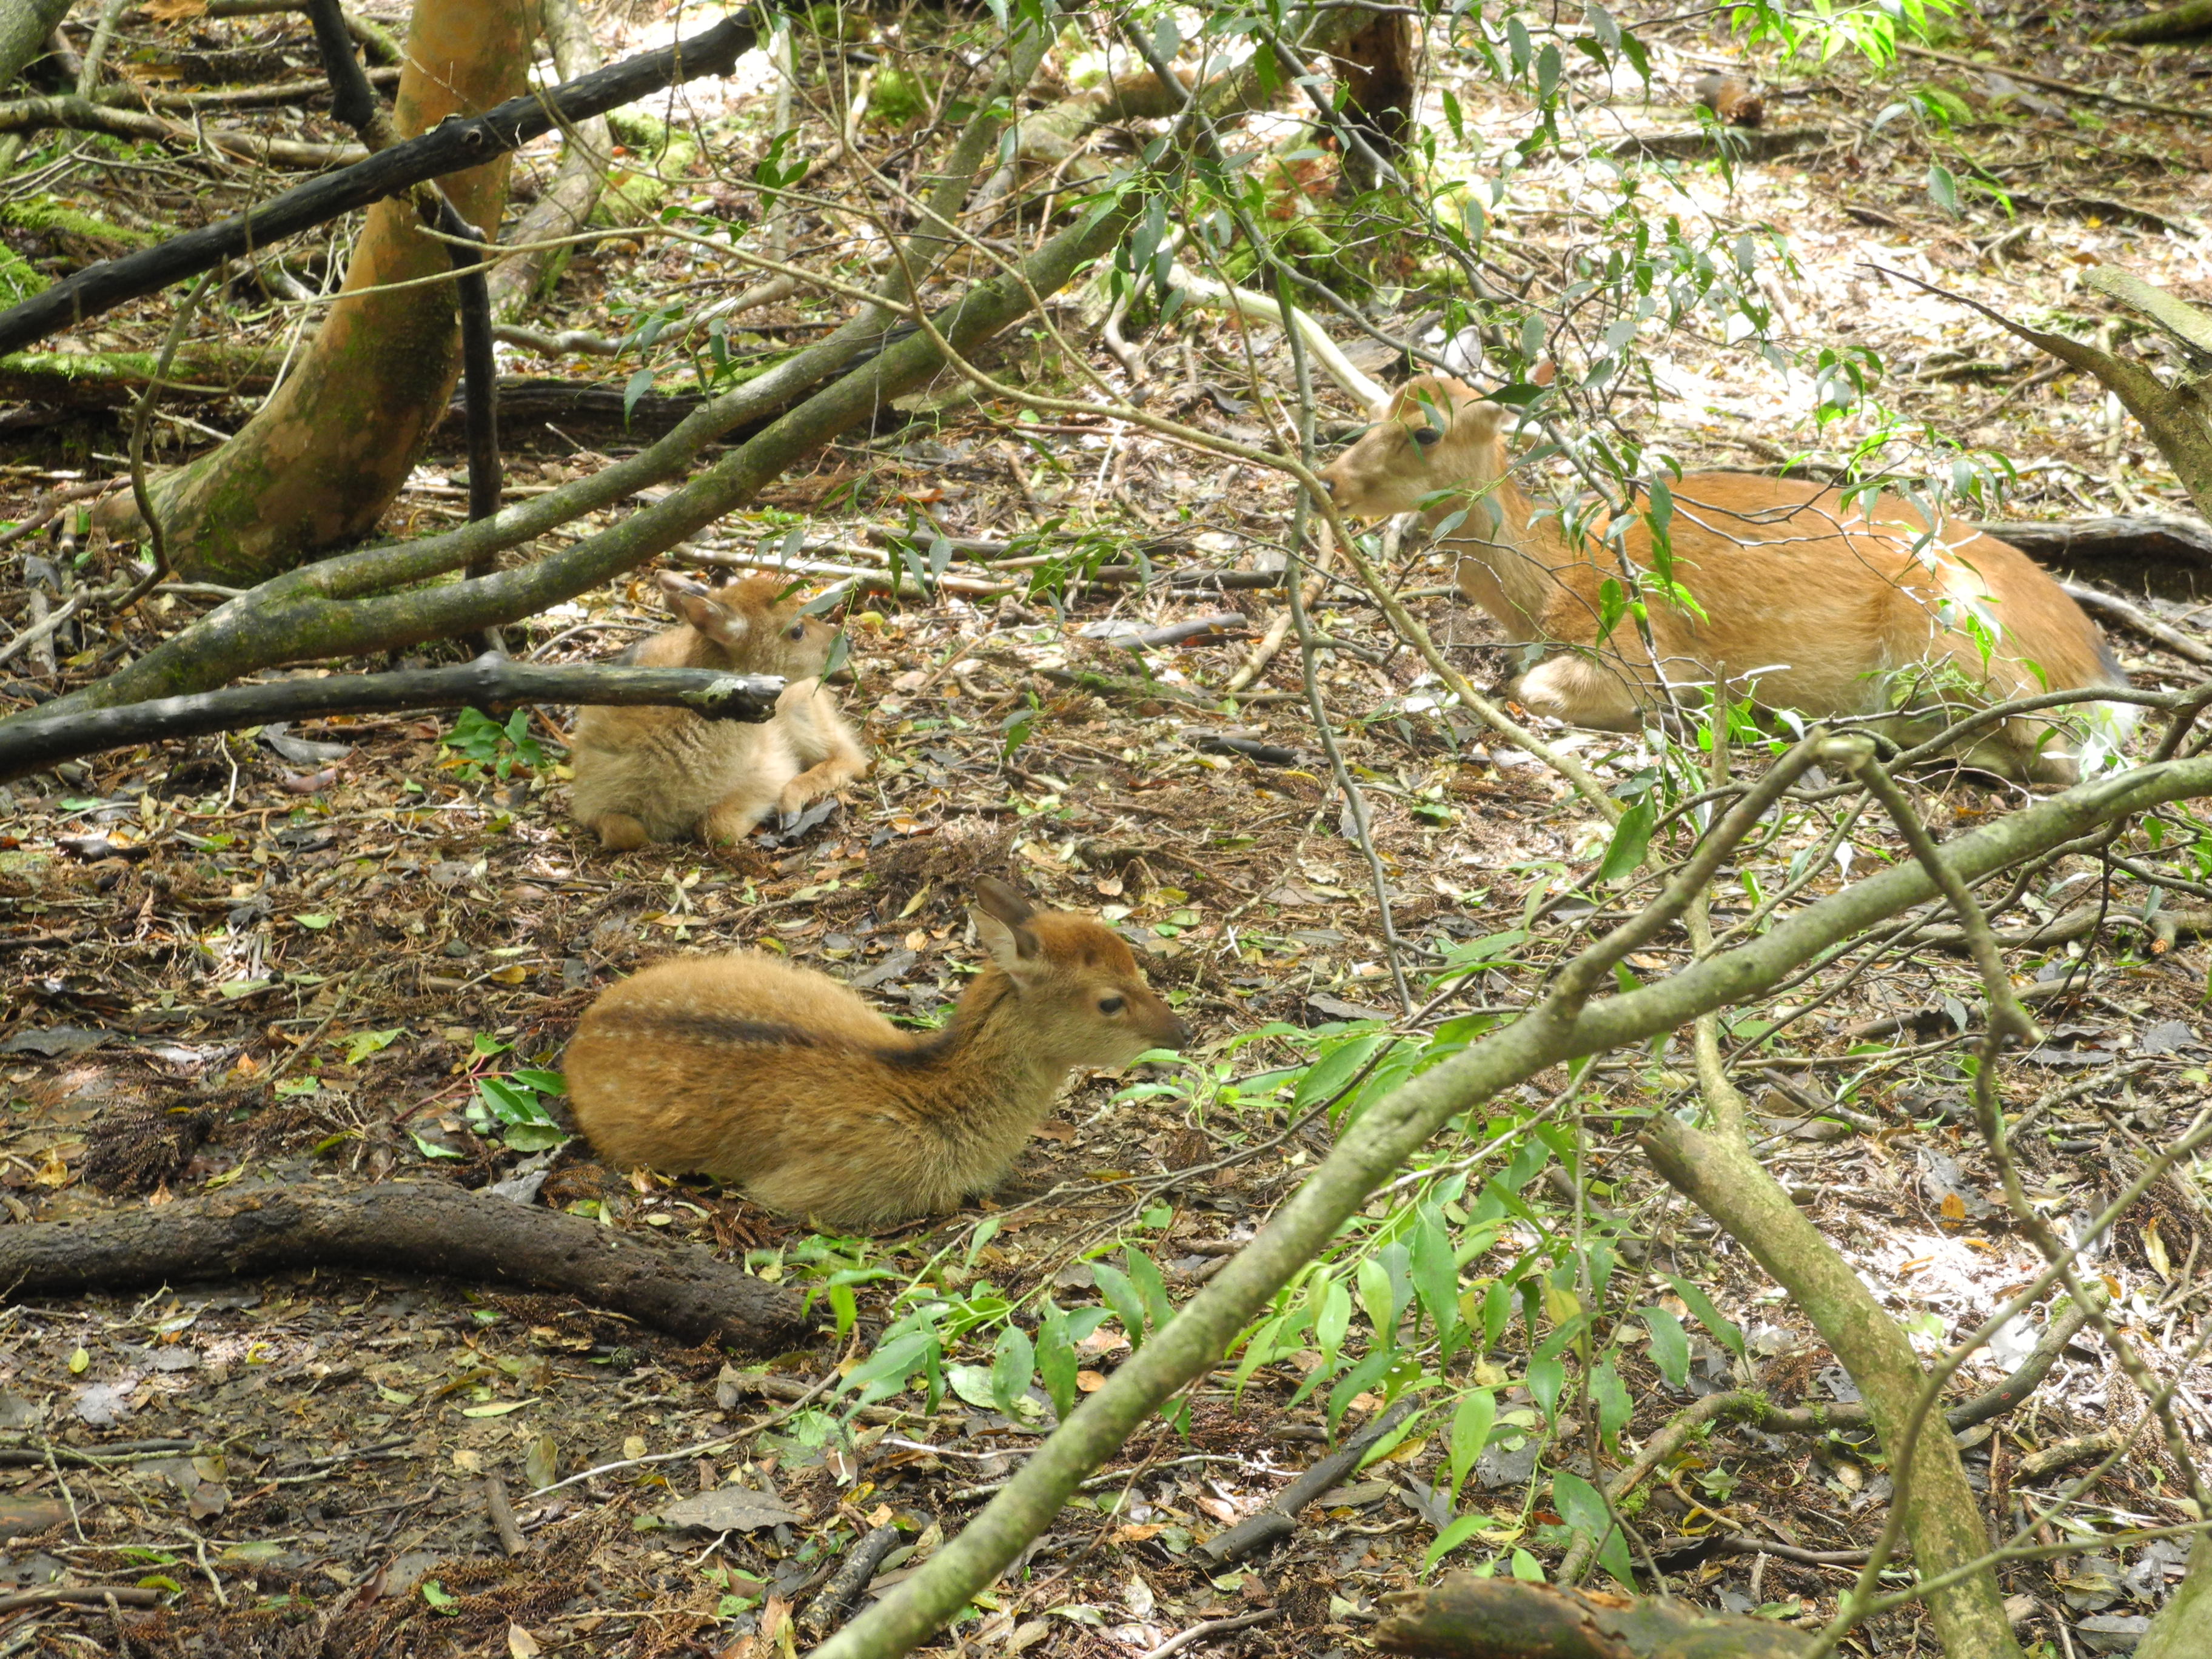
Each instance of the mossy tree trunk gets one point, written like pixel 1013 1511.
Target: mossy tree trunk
pixel 318 463
pixel 24 27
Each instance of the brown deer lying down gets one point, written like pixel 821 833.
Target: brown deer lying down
pixel 1807 605
pixel 662 774
pixel 781 1080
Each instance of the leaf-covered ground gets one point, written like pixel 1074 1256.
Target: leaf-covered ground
pixel 373 936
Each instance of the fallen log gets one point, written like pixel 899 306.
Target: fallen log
pixel 2186 543
pixel 31 742
pixel 421 1228
pixel 1463 1617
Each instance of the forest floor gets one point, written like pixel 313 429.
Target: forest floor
pixel 359 923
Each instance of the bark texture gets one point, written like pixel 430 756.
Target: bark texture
pixel 1464 1617
pixel 320 461
pixel 1719 1174
pixel 490 682
pixel 413 1227
pixel 24 27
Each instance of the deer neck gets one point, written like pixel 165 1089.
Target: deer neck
pixel 987 1066
pixel 1509 555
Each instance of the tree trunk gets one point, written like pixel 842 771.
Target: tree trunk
pixel 1718 1172
pixel 1376 64
pixel 2182 1628
pixel 565 205
pixel 319 463
pixel 24 27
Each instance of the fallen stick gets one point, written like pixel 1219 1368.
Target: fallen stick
pixel 417 1228
pixel 2113 608
pixel 30 742
pixel 48 1595
pixel 835 1599
pixel 1280 1519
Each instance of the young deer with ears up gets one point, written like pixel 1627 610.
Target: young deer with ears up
pixel 781 1079
pixel 1807 605
pixel 662 774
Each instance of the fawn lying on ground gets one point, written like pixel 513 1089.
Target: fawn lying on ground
pixel 781 1079
pixel 663 773
pixel 1807 605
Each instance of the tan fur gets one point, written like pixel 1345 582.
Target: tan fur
pixel 781 1079
pixel 663 773
pixel 1807 605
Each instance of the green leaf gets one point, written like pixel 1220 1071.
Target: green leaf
pixel 434 1594
pixel 1582 1506
pixel 1374 1298
pixel 1943 187
pixel 1670 1345
pixel 318 923
pixel 1546 1378
pixel 1614 1407
pixel 1056 1362
pixel 1331 1321
pixel 360 1045
pixel 1151 1286
pixel 431 1148
pixel 1262 1349
pixel 885 1372
pixel 533 1137
pixel 1357 1381
pixel 1435 1275
pixel 973 1383
pixel 1451 1538
pixel 1122 1296
pixel 1012 1366
pixel 1710 1318
pixel 1331 1074
pixel 1631 837
pixel 1470 1433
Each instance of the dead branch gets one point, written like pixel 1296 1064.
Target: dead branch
pixel 28 743
pixel 86 115
pixel 417 1227
pixel 1280 1519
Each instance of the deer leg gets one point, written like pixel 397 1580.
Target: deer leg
pixel 618 832
pixel 844 763
pixel 1581 690
pixel 733 816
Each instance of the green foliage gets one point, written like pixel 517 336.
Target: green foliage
pixel 1823 29
pixel 512 1107
pixel 481 743
pixel 899 98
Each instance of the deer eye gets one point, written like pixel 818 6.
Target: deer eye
pixel 1426 436
pixel 798 631
pixel 1111 1005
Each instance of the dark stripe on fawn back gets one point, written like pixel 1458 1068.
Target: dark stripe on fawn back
pixel 726 1029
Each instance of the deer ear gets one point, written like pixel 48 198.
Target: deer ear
pixel 1003 900
pixel 1001 917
